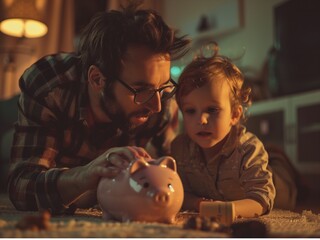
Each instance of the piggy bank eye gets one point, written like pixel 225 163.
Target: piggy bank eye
pixel 170 187
pixel 146 185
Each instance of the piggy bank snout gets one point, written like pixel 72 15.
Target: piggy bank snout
pixel 161 198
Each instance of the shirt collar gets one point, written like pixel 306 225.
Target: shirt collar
pixel 228 147
pixel 233 140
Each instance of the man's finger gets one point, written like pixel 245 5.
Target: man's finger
pixel 110 172
pixel 116 159
pixel 142 152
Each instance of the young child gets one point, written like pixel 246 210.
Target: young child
pixel 217 159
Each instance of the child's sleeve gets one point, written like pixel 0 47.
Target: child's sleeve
pixel 256 177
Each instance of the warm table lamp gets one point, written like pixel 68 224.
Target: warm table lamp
pixel 22 19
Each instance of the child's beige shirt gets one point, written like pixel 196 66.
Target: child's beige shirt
pixel 239 171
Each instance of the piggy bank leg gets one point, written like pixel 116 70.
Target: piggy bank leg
pixel 171 220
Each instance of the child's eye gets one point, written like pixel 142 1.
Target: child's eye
pixel 213 110
pixel 189 111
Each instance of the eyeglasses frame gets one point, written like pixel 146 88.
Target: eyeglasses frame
pixel 135 91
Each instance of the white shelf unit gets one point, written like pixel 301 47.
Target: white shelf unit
pixel 293 123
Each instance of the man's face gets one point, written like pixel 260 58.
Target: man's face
pixel 141 69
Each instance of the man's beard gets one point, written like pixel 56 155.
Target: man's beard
pixel 117 115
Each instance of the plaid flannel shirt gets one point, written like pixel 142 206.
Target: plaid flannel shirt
pixel 52 133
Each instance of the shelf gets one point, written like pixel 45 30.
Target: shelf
pixel 211 35
pixel 223 20
pixel 297 132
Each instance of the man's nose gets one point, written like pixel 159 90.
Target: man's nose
pixel 154 104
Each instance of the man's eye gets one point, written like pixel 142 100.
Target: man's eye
pixel 168 84
pixel 143 89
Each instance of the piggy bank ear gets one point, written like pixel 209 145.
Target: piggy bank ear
pixel 137 165
pixel 168 162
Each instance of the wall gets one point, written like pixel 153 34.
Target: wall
pixel 256 35
pixel 23 54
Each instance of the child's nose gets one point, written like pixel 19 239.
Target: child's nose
pixel 204 118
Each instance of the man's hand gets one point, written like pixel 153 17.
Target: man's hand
pixel 109 165
pixel 77 181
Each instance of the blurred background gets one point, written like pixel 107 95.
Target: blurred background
pixel 274 42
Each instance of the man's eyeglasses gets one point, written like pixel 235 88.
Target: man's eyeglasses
pixel 143 95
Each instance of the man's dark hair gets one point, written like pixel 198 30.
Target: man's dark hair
pixel 107 37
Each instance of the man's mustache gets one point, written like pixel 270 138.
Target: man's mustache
pixel 140 113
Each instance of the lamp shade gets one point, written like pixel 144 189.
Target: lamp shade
pixel 22 19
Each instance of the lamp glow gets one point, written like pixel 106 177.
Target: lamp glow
pixel 22 19
pixel 23 28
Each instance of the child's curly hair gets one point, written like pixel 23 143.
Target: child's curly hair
pixel 203 69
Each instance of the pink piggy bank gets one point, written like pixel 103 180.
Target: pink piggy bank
pixel 147 191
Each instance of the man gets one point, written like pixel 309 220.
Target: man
pixel 86 116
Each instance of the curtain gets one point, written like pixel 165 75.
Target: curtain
pixel 17 54
pixel 60 19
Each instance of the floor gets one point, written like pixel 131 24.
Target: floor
pixel 88 223
pixel 310 194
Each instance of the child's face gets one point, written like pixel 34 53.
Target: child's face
pixel 207 113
